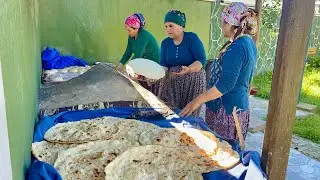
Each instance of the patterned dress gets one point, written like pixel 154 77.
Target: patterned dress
pixel 154 88
pixel 178 91
pixel 216 116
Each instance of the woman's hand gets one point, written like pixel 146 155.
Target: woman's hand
pixel 134 77
pixel 190 108
pixel 185 70
pixel 150 81
pixel 208 95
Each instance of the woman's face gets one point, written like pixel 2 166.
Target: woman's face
pixel 173 30
pixel 227 29
pixel 132 32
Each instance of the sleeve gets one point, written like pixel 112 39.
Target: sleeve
pixel 163 57
pixel 142 42
pixel 127 54
pixel 197 50
pixel 251 74
pixel 231 67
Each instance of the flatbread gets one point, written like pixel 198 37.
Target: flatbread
pixel 48 152
pixel 146 68
pixel 131 130
pixel 220 157
pixel 222 154
pixel 74 70
pixel 173 138
pixel 225 157
pixel 169 137
pixel 83 131
pixel 152 162
pixel 87 161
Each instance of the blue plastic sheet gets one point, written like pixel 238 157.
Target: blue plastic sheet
pixel 51 59
pixel 248 168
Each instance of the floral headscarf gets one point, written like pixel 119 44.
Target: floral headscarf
pixel 237 11
pixel 136 21
pixel 142 19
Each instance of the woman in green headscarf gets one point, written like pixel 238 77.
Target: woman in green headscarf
pixel 183 56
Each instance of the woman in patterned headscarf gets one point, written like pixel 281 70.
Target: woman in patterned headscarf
pixel 142 44
pixel 231 73
pixel 183 56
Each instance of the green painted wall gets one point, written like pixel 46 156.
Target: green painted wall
pixel 94 30
pixel 19 56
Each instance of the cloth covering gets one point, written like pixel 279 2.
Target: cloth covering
pixel 51 59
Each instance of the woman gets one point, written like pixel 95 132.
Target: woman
pixel 183 56
pixel 231 74
pixel 141 43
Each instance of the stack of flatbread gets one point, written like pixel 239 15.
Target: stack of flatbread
pixel 119 149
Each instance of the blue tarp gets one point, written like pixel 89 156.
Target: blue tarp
pixel 51 59
pixel 249 168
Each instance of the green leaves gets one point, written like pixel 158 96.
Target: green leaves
pixel 271 12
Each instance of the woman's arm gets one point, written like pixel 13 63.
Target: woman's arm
pixel 209 95
pixel 198 52
pixel 126 56
pixel 197 49
pixel 163 55
pixel 231 67
pixel 195 66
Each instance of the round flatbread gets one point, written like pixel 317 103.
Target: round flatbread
pixel 184 144
pixel 130 130
pixel 65 70
pixel 51 72
pixel 88 161
pixel 219 156
pixel 57 79
pixel 74 70
pixel 48 152
pixel 146 68
pixel 151 162
pixel 83 131
pixel 105 128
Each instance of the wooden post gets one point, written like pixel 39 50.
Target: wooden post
pixel 295 26
pixel 258 8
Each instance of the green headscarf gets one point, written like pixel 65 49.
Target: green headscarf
pixel 176 17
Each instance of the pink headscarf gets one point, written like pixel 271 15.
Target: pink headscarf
pixel 133 21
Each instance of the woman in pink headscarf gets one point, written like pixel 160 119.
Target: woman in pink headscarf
pixel 141 43
pixel 230 74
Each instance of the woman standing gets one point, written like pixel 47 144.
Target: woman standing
pixel 183 56
pixel 141 43
pixel 231 74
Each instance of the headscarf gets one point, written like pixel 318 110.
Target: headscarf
pixel 177 17
pixel 238 14
pixel 142 19
pixel 136 21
